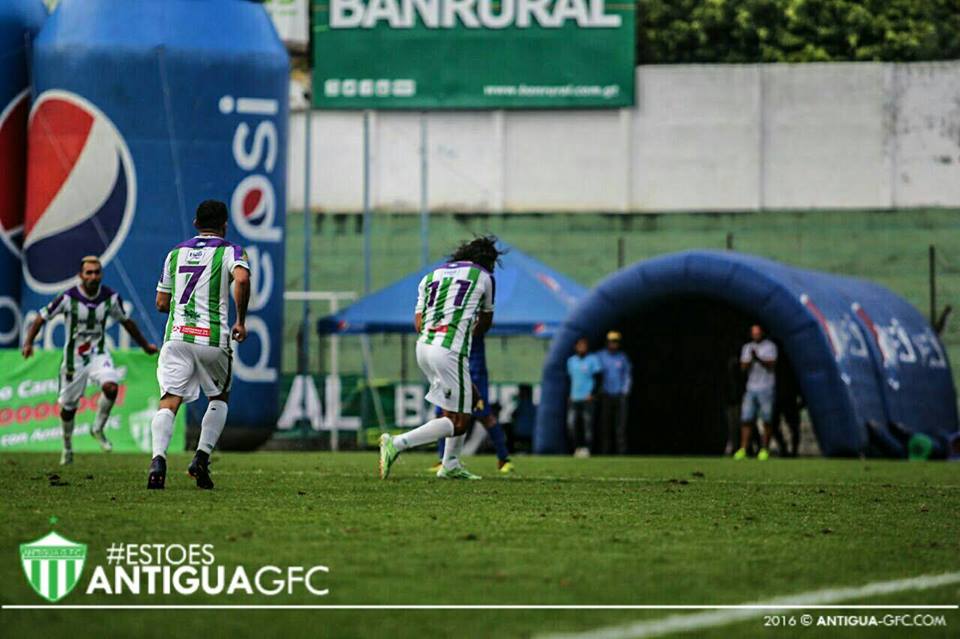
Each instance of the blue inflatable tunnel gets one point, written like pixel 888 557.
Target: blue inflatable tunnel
pixel 869 367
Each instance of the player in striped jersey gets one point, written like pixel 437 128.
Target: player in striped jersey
pixel 194 287
pixel 87 307
pixel 454 303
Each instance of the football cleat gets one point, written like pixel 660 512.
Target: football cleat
pixel 740 454
pixel 158 473
pixel 199 469
pixel 456 473
pixel 505 467
pixel 105 444
pixel 66 457
pixel 433 469
pixel 388 455
pixel 763 455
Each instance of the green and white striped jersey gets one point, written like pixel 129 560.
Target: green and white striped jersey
pixel 197 274
pixel 449 300
pixel 86 321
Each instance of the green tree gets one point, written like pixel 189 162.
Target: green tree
pixel 688 31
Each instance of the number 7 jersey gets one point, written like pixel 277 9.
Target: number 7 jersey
pixel 449 300
pixel 197 274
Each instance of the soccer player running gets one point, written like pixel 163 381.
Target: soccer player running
pixel 86 309
pixel 196 354
pixel 454 303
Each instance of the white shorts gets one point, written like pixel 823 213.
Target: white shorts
pixel 100 371
pixel 449 376
pixel 185 369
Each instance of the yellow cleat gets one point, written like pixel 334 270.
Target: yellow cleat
pixel 506 468
pixel 433 469
pixel 763 455
pixel 740 454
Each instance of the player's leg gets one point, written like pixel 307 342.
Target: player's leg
pixel 499 439
pixel 177 384
pixel 71 390
pixel 748 414
pixel 765 401
pixel 457 403
pixel 103 372
pixel 66 432
pixel 434 429
pixel 215 372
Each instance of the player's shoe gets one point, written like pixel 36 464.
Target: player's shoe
pixel 456 473
pixel 763 455
pixel 740 454
pixel 505 467
pixel 433 469
pixel 388 455
pixel 105 444
pixel 199 469
pixel 66 457
pixel 158 473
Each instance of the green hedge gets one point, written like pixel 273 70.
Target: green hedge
pixel 732 31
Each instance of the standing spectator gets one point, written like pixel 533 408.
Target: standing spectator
pixel 582 367
pixel 613 398
pixel 759 358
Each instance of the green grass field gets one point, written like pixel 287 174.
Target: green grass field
pixel 560 531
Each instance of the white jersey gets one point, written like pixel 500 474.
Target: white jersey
pixel 197 274
pixel 449 300
pixel 760 378
pixel 86 322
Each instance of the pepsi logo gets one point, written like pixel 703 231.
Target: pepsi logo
pixel 13 165
pixel 253 208
pixel 81 189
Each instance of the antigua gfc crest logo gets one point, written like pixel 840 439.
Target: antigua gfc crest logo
pixel 53 565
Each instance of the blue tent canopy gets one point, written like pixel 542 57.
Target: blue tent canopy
pixel 532 299
pixel 870 367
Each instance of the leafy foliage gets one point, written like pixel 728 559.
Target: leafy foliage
pixel 732 31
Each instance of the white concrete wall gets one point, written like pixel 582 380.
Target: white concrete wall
pixel 701 137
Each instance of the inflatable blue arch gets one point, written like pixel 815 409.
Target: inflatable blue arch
pixel 868 365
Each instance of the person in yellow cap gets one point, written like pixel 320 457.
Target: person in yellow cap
pixel 616 371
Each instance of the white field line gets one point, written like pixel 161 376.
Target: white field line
pixel 725 616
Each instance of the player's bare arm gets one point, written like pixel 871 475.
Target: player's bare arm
pixel 418 322
pixel 163 302
pixel 134 330
pixel 484 322
pixel 241 296
pixel 31 335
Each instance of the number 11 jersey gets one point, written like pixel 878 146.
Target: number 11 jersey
pixel 449 300
pixel 197 274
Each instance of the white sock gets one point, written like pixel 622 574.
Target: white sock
pixel 212 425
pixel 104 406
pixel 452 449
pixel 429 432
pixel 162 430
pixel 66 427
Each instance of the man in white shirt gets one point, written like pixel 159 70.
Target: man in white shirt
pixel 759 358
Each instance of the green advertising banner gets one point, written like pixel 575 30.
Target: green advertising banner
pixel 472 54
pixel 29 414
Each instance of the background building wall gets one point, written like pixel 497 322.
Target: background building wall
pixel 700 137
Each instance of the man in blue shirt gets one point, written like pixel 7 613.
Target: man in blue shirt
pixel 582 367
pixel 613 398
